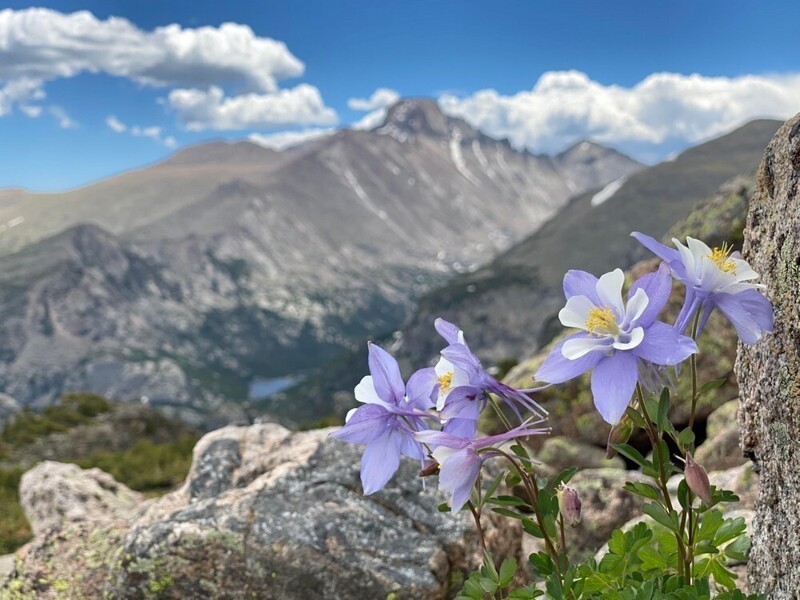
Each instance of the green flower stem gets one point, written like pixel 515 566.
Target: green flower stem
pixel 693 363
pixel 477 517
pixel 662 482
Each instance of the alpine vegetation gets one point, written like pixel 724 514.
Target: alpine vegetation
pixel 684 549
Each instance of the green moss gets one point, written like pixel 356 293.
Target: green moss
pixel 14 528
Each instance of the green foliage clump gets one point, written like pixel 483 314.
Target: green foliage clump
pixel 14 528
pixel 147 466
pixel 72 409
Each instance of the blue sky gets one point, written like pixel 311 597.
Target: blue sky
pixel 649 78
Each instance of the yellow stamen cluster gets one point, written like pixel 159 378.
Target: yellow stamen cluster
pixel 445 381
pixel 602 320
pixel 722 258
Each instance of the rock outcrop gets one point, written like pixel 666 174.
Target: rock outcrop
pixel 263 513
pixel 769 372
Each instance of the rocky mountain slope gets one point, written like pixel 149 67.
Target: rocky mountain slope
pixel 182 281
pixel 509 306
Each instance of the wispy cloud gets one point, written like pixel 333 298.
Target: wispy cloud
pixel 289 139
pixel 152 132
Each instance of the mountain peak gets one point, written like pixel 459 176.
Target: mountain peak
pixel 418 116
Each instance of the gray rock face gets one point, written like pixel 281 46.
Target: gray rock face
pixel 769 372
pixel 267 513
pixel 229 261
pixel 54 493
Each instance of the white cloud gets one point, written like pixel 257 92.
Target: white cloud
pixel 152 132
pixel 380 98
pixel 377 103
pixel 62 118
pixel 199 110
pixel 115 124
pixel 30 110
pixel 289 139
pixel 663 112
pixel 46 44
pixel 38 45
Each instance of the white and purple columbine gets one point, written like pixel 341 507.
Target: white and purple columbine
pixel 460 458
pixel 462 385
pixel 616 338
pixel 392 412
pixel 715 278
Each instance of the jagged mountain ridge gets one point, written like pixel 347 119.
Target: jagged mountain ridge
pixel 229 260
pixel 509 306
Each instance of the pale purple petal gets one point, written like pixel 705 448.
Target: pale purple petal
pixel 657 286
pixel 690 306
pixel 750 312
pixel 447 330
pixel 438 438
pixel 558 369
pixel 663 345
pixel 458 475
pixel 461 428
pixel 380 460
pixel 366 424
pixel 664 252
pixel 581 283
pixel 419 389
pixel 386 375
pixel 461 356
pixel 613 382
pixel 412 448
pixel 462 403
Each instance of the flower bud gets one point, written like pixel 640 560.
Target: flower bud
pixel 697 479
pixel 430 468
pixel 569 505
pixel 620 434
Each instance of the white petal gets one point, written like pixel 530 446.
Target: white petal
pixel 744 271
pixel 637 335
pixel 350 413
pixel 365 392
pixel 697 248
pixel 441 453
pixel 636 306
pixel 609 288
pixel 687 258
pixel 575 348
pixel 443 367
pixel 576 312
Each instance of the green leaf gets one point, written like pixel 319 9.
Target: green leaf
pixel 722 575
pixel 616 544
pixel 683 495
pixel 709 525
pixel 487 585
pixel 660 516
pixel 507 571
pixel 541 563
pixel 710 385
pixel 563 477
pixel 444 507
pixel 532 528
pixel 663 410
pixel 493 486
pixel 513 479
pixel 652 558
pixel 643 489
pixel 730 529
pixel 737 549
pixel 507 501
pixel 508 513
pixel 631 453
pixel 686 437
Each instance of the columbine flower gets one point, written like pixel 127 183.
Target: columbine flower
pixel 715 278
pixel 462 382
pixel 459 459
pixel 616 338
pixel 387 421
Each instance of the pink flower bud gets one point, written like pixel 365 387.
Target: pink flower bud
pixel 569 505
pixel 697 479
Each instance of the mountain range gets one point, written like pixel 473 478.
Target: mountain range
pixel 181 282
